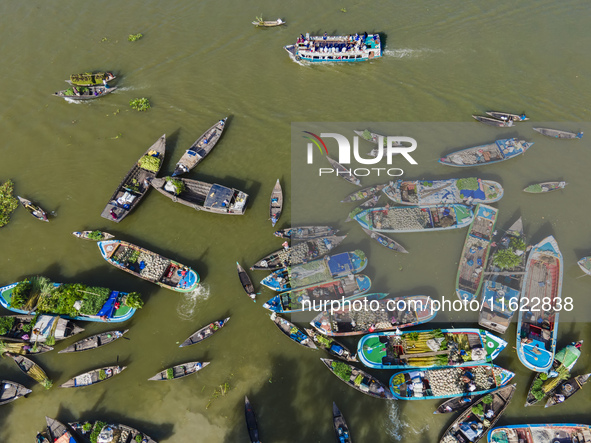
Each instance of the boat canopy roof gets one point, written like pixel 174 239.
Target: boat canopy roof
pixel 218 197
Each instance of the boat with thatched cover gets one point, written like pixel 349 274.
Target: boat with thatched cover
pixel 419 384
pixel 473 424
pixel 385 241
pixel 93 377
pixel 343 172
pixel 364 194
pixel 90 79
pixel 336 49
pixel 135 184
pixel 341 428
pixel 251 421
pixel 567 389
pixel 85 92
pixel 259 22
pixel 537 325
pixel 149 265
pixel 33 209
pixel 330 345
pixel 474 256
pixel 93 235
pixel 358 379
pixel 10 391
pixel 374 312
pixel 200 149
pixel 202 196
pixel 32 369
pixel 94 341
pixel 541 433
pixel 56 432
pixel 429 349
pixel 555 133
pixel 292 331
pixel 180 371
pixel 491 121
pixel 276 203
pixel 585 265
pixel 495 152
pixel 110 432
pixel 539 188
pixel 507 116
pixel 415 218
pixel 306 232
pixel 470 191
pixel 246 282
pixel 205 332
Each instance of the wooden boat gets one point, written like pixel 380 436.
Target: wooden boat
pixel 85 92
pixel 340 425
pixel 555 133
pixel 495 152
pixel 537 328
pixel 385 314
pixel 541 433
pixel 135 184
pixel 365 205
pixel 268 23
pixel 358 379
pixel 456 404
pixel 180 371
pixel 386 241
pixel 32 369
pixel 585 265
pixel 475 253
pixel 93 377
pixel 202 196
pixel 246 282
pixel 93 235
pixel 501 289
pixel 90 79
pixel 419 384
pixel 94 341
pixel 469 191
pixel 23 348
pixel 58 432
pixel 473 424
pixel 276 203
pixel 336 49
pixel 507 116
pixel 330 345
pixel 306 232
pixel 567 389
pixel 415 218
pixel 31 329
pixel 33 209
pixel 538 188
pixel 429 349
pixel 205 332
pixel 343 172
pixel 200 149
pixel 364 193
pixel 10 391
pixel 292 331
pixel 318 295
pixel 149 265
pixel 251 421
pixel 493 121
pixel 118 432
pixel 372 137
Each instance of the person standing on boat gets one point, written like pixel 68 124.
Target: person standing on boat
pixel 325 36
pixel 105 84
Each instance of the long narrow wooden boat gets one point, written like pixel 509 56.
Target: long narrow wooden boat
pixel 555 133
pixel 358 379
pixel 332 346
pixel 246 282
pixel 537 327
pixel 318 296
pixel 276 203
pixel 473 424
pixel 251 421
pixel 538 188
pixel 306 232
pixel 200 149
pixel 385 313
pixel 135 184
pixel 474 256
pixel 180 371
pixel 364 194
pixel 93 235
pixel 507 116
pixel 585 265
pixel 205 332
pixel 501 289
pixel 10 391
pixel 149 265
pixel 268 23
pixel 90 79
pixel 58 432
pixel 341 428
pixel 470 190
pixel 202 196
pixel 94 341
pixel 33 209
pixel 456 404
pixel 85 92
pixel 567 389
pixel 343 172
pixel 336 49
pixel 23 348
pixel 385 241
pixel 118 432
pixel 491 121
pixel 541 433
pixel 372 137
pixel 429 349
pixel 495 152
pixel 419 384
pixel 32 369
pixel 292 331
pixel 415 218
pixel 93 377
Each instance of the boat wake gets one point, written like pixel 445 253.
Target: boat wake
pixel 408 53
pixel 125 88
pixel 77 102
pixel 397 427
pixel 188 304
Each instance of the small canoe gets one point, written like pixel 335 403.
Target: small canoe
pixel 386 241
pixel 251 421
pixel 23 348
pixel 507 116
pixel 473 423
pixel 493 121
pixel 555 133
pixel 58 432
pixel 135 184
pixel 343 172
pixel 340 425
pixel 495 152
pixel 93 235
pixel 32 369
pixel 90 79
pixel 200 149
pixel 363 194
pixel 33 209
pixel 538 188
pixel 567 389
pixel 585 265
pixel 306 232
pixel 205 332
pixel 246 282
pixel 292 331
pixel 330 345
pixel 85 92
pixel 93 377
pixel 121 433
pixel 268 23
pixel 358 379
pixel 541 433
pixel 180 371
pixel 94 341
pixel 276 203
pixel 10 391
pixel 456 404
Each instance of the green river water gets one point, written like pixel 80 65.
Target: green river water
pixel 201 61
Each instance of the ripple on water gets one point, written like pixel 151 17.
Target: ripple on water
pixel 188 302
pixel 397 427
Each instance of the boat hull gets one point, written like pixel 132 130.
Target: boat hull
pixel 496 152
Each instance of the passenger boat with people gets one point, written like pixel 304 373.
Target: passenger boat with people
pixel 490 153
pixel 358 379
pixel 336 49
pixel 555 133
pixel 541 433
pixel 109 432
pixel 200 149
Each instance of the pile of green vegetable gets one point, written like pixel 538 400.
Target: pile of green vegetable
pixel 8 202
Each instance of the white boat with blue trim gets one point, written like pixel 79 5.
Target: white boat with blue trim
pixel 336 49
pixel 495 152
